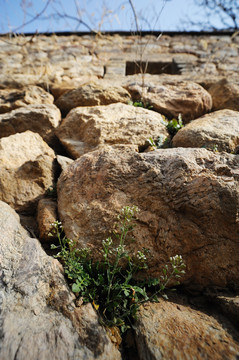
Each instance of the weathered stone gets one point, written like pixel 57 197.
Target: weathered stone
pixel 38 317
pixel 225 95
pixel 173 98
pixel 188 201
pixel 11 99
pixel 46 216
pixel 169 330
pixel 27 169
pixel 28 221
pixel 42 119
pixel 218 130
pixel 87 128
pixel 63 161
pixel 60 88
pixel 92 95
pixel 226 301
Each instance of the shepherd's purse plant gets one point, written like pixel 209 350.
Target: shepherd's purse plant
pixel 110 283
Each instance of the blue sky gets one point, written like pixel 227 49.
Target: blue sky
pixel 101 15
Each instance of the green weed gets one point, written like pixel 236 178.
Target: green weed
pixel 174 125
pixel 110 284
pixel 141 104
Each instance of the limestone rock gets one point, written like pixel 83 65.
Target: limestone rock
pixel 59 88
pixel 225 95
pixel 38 318
pixel 87 128
pixel 92 95
pixel 168 330
pixel 42 119
pixel 46 215
pixel 188 201
pixel 226 301
pixel 63 161
pixel 219 130
pixel 173 98
pixel 27 169
pixel 11 99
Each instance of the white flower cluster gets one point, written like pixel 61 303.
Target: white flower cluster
pixel 141 256
pixel 56 224
pixel 120 249
pixel 176 259
pixel 107 242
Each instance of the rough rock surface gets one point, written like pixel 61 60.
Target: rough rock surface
pixel 11 99
pixel 175 331
pixel 219 130
pixel 92 95
pixel 63 161
pixel 87 128
pixel 38 317
pixel 46 216
pixel 173 98
pixel 27 169
pixel 226 302
pixel 225 95
pixel 188 201
pixel 42 119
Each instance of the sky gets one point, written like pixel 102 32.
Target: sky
pixel 100 15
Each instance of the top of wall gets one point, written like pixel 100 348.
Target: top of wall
pixel 56 61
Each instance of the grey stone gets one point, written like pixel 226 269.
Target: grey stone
pixel 38 317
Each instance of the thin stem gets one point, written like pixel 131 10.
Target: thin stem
pixel 135 15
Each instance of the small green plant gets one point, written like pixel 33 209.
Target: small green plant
pixel 160 143
pixel 215 148
pixel 52 191
pixel 110 284
pixel 174 125
pixel 151 143
pixel 141 104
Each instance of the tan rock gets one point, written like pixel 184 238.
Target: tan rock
pixel 63 161
pixel 60 88
pixel 42 119
pixel 92 95
pixel 173 98
pixel 175 331
pixel 46 216
pixel 27 169
pixel 11 99
pixel 38 318
pixel 225 95
pixel 218 130
pixel 188 201
pixel 87 128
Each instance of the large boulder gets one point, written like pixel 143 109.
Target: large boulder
pixel 26 169
pixel 92 95
pixel 88 128
pixel 42 119
pixel 11 99
pixel 218 130
pixel 175 331
pixel 173 98
pixel 38 317
pixel 188 201
pixel 225 95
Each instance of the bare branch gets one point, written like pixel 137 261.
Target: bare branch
pixel 34 18
pixel 135 16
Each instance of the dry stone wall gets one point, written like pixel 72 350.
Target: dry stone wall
pixel 66 117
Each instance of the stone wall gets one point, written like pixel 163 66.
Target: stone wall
pixel 56 61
